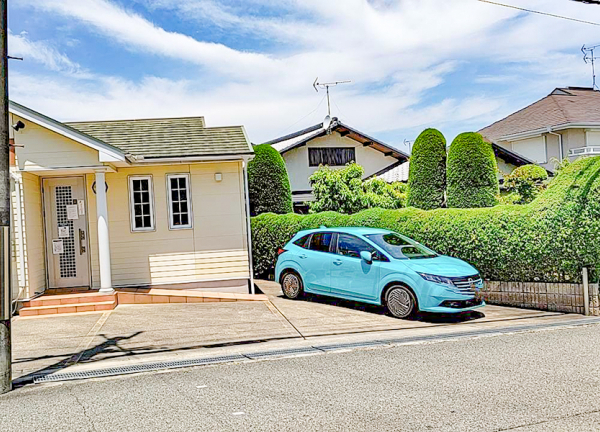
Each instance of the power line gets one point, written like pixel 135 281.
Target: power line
pixel 295 123
pixel 540 13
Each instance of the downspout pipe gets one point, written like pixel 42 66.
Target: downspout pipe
pixel 248 226
pixel 19 215
pixel 560 143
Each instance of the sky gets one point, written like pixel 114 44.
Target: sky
pixel 456 65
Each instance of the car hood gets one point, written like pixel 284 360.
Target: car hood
pixel 441 266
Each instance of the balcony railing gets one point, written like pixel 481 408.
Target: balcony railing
pixel 585 151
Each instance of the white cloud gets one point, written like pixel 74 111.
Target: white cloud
pixel 396 53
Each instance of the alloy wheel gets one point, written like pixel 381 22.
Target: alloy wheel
pixel 291 285
pixel 400 302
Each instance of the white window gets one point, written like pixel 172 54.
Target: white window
pixel 141 203
pixel 180 208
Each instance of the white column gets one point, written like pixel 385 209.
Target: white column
pixel 103 238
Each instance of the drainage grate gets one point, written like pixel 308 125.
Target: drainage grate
pixel 341 346
pixel 123 370
pixel 283 352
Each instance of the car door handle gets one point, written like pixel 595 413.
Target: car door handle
pixel 303 256
pixel 338 262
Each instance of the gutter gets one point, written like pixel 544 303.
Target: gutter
pixel 560 143
pixel 183 160
pixel 19 214
pixel 536 132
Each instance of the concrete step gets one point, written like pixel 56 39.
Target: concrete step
pixel 67 299
pixel 68 308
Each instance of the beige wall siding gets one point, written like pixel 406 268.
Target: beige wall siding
pixel 296 160
pixel 33 241
pixel 43 148
pixel 215 248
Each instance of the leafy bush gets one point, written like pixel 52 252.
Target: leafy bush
pixel 343 190
pixel 471 172
pixel 526 181
pixel 547 240
pixel 268 182
pixel 427 174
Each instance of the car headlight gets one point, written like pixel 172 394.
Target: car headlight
pixel 437 279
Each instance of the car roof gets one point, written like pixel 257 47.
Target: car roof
pixel 349 230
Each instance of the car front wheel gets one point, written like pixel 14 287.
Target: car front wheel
pixel 400 301
pixel 291 285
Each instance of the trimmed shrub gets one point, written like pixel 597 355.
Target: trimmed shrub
pixel 547 240
pixel 527 182
pixel 427 172
pixel 268 182
pixel 471 172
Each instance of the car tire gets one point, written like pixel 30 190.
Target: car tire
pixel 291 285
pixel 400 301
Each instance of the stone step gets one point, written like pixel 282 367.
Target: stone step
pixel 68 308
pixel 57 300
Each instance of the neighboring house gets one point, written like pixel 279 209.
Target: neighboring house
pixel 335 146
pixel 129 203
pixel 564 124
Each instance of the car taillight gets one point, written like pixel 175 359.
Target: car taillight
pixel 280 251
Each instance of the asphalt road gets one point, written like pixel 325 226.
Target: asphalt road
pixel 540 381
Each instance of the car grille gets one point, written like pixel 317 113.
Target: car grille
pixel 466 284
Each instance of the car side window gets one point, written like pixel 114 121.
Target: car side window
pixel 303 241
pixel 321 241
pixel 351 246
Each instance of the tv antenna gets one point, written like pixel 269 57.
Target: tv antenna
pixel 588 57
pixel 326 85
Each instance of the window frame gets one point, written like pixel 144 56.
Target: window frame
pixel 188 189
pixel 378 256
pixel 150 179
pixel 321 149
pixel 333 242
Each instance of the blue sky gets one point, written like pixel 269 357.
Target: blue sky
pixel 456 65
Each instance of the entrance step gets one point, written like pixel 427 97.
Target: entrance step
pixel 69 299
pixel 69 308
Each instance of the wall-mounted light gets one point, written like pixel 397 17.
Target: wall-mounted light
pixel 218 177
pixel 18 125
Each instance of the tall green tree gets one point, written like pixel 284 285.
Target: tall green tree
pixel 472 172
pixel 268 182
pixel 427 172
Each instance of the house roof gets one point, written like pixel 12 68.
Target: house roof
pixel 168 137
pixel 397 174
pixel 300 138
pixel 562 107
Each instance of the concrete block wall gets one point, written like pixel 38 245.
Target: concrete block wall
pixel 559 297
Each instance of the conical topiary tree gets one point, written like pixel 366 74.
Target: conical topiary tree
pixel 471 172
pixel 268 182
pixel 427 172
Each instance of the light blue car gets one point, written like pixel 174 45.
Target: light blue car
pixel 377 266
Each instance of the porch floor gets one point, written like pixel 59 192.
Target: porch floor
pixel 78 300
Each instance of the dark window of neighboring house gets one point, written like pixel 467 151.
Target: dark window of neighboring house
pixel 320 242
pixel 351 246
pixel 332 156
pixel 303 241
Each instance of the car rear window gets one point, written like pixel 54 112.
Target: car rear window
pixel 303 241
pixel 321 241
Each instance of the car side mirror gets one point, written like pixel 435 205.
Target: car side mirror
pixel 366 256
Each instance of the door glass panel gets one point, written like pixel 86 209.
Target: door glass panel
pixel 321 242
pixel 351 246
pixel 67 260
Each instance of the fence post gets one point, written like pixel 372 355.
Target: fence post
pixel 586 292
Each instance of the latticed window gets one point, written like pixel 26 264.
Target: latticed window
pixel 180 212
pixel 141 203
pixel 332 156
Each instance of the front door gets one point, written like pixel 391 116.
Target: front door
pixel 67 248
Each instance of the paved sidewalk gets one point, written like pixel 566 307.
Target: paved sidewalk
pixel 134 334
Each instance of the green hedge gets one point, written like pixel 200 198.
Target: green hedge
pixel 548 240
pixel 268 182
pixel 427 174
pixel 471 172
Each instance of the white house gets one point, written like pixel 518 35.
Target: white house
pixel 334 145
pixel 129 203
pixel 564 124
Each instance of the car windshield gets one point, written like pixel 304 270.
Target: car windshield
pixel 401 247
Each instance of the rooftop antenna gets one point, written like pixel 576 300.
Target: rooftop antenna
pixel 326 86
pixel 588 57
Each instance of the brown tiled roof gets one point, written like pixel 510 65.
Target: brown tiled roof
pixel 563 105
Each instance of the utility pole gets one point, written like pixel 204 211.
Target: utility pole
pixel 5 250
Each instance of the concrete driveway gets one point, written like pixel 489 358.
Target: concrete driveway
pixel 132 334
